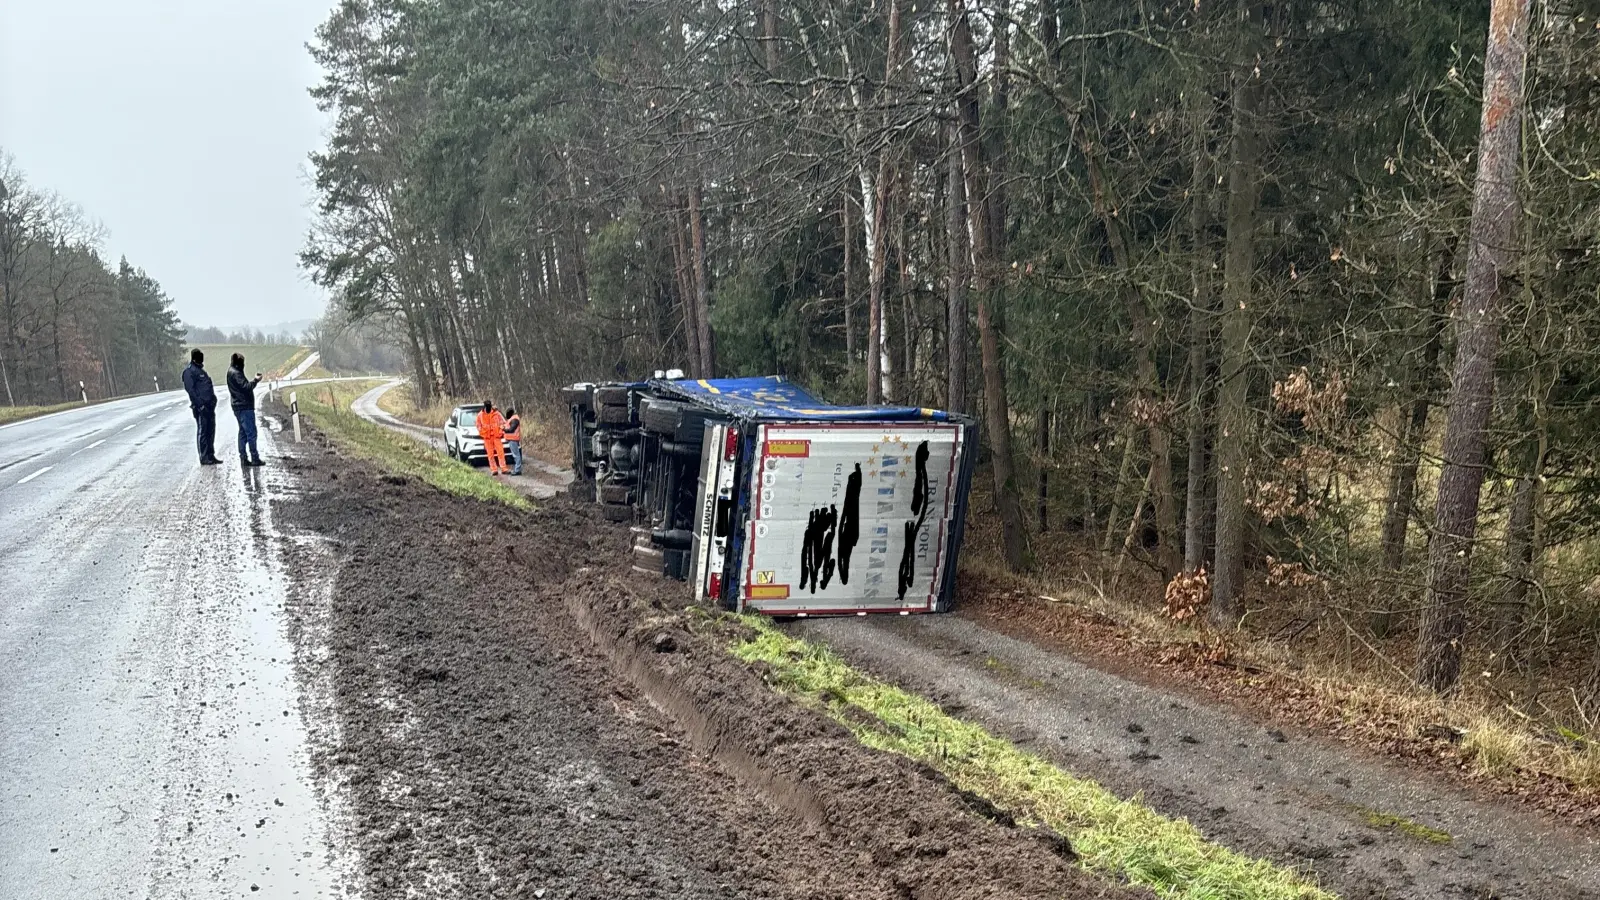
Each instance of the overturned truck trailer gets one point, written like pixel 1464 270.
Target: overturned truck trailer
pixel 765 499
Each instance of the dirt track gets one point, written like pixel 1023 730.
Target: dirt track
pixel 501 713
pixel 1251 784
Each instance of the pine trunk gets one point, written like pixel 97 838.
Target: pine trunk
pixel 1491 262
pixel 702 287
pixel 956 282
pixel 1233 416
pixel 1196 511
pixel 997 410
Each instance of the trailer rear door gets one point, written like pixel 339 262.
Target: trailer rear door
pixel 850 517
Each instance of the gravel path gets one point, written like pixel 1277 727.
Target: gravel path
pixel 542 480
pixel 1293 798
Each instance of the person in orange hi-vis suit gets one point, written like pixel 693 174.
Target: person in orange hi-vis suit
pixel 492 428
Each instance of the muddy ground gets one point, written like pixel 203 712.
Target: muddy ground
pixel 498 709
pixel 1252 783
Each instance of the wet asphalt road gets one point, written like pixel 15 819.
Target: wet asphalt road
pixel 151 740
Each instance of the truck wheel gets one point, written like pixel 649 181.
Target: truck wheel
pixel 616 512
pixel 675 564
pixel 672 419
pixel 647 560
pixel 613 415
pixel 611 395
pixel 574 396
pixel 614 493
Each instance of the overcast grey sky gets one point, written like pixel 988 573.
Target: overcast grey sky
pixel 183 126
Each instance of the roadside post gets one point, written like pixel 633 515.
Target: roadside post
pixel 157 383
pixel 294 413
pixel 84 393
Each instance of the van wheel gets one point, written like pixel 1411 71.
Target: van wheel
pixel 617 512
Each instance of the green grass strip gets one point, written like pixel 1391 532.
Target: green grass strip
pixel 9 414
pixel 1112 837
pixel 397 453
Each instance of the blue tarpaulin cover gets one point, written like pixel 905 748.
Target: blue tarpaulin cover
pixel 771 397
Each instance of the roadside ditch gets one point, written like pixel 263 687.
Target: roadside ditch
pixel 518 716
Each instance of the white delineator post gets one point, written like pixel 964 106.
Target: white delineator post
pixel 157 383
pixel 294 413
pixel 83 392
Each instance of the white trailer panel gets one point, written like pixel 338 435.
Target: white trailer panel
pixel 850 517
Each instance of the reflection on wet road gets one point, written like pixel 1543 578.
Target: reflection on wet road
pixel 151 739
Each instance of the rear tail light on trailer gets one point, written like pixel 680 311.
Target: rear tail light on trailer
pixel 716 585
pixel 730 446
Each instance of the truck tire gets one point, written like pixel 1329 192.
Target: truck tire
pixel 575 396
pixel 675 564
pixel 611 395
pixel 614 493
pixel 616 512
pixel 673 419
pixel 613 415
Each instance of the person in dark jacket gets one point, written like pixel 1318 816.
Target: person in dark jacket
pixel 242 391
pixel 203 403
pixel 513 432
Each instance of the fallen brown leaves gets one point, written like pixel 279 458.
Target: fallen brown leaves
pixel 1203 664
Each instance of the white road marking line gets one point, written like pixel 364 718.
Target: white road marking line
pixel 131 427
pixel 152 415
pixel 95 444
pixel 36 474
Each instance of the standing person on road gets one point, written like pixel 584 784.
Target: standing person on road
pixel 492 428
pixel 514 439
pixel 203 403
pixel 242 391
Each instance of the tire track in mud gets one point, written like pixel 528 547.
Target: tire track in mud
pixel 516 714
pixel 1244 784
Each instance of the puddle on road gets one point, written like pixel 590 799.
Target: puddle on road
pixel 250 819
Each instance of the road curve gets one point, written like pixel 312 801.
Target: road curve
pixel 151 740
pixel 545 481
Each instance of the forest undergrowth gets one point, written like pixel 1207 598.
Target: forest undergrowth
pixel 1304 650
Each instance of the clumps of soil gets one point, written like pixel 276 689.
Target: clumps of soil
pixel 519 715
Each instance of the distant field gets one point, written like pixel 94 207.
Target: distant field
pixel 270 360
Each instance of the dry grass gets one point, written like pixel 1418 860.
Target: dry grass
pixel 328 408
pixel 1494 749
pixel 1342 680
pixel 545 433
pixel 9 414
pixel 401 402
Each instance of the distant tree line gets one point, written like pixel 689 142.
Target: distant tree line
pixel 66 315
pixel 366 345
pixel 211 335
pixel 1213 274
